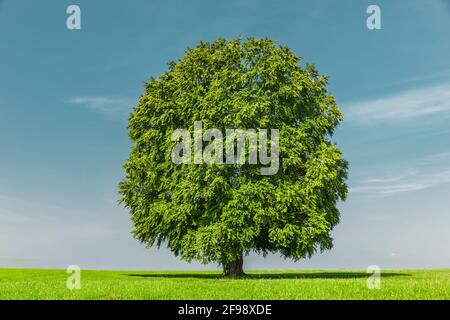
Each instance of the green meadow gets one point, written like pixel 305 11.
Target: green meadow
pixel 290 284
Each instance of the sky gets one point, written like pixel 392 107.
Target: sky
pixel 65 97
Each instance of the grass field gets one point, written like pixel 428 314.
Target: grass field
pixel 299 284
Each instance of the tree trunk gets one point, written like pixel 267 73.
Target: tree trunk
pixel 234 269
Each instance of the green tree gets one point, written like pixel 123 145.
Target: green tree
pixel 222 212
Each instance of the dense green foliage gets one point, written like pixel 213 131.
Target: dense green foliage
pixel 293 284
pixel 218 212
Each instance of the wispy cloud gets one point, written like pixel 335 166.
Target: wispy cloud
pixel 410 104
pixel 431 171
pixel 105 105
pixel 389 188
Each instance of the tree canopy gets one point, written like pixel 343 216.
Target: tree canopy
pixel 221 212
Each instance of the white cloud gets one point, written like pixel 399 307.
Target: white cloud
pixel 384 180
pixel 429 172
pixel 419 102
pixel 390 189
pixel 106 105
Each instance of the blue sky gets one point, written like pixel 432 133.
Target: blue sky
pixel 65 98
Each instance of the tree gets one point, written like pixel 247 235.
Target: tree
pixel 222 212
